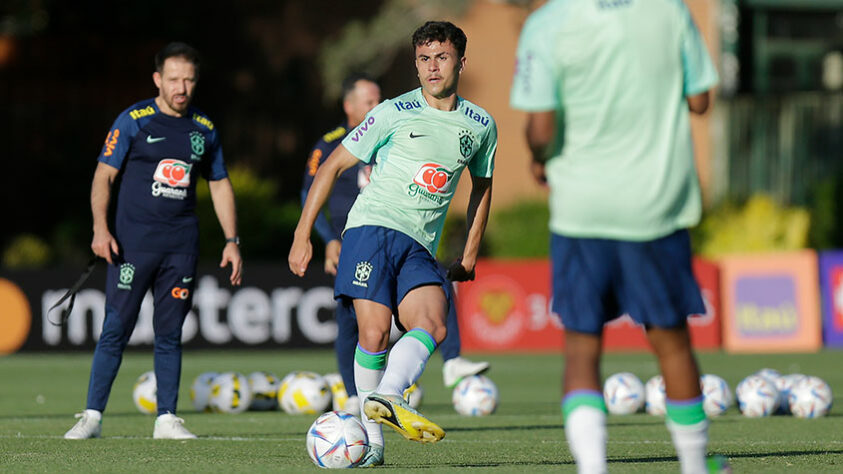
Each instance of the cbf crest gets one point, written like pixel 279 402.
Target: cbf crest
pixel 466 143
pixel 362 273
pixel 127 275
pixel 197 145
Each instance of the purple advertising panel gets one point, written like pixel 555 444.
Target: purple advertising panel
pixel 831 282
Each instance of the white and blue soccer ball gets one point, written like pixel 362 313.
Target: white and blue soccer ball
pixel 623 393
pixel 230 393
pixel 337 440
pixel 476 395
pixel 200 391
pixel 810 397
pixel 757 396
pixel 304 393
pixel 655 396
pixel 264 387
pixel 717 396
pixel 145 393
pixel 770 374
pixel 414 395
pixel 784 384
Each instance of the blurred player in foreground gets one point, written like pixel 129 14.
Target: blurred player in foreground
pixel 421 142
pixel 608 85
pixel 360 95
pixel 159 147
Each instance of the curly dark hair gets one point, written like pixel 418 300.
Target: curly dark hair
pixel 440 31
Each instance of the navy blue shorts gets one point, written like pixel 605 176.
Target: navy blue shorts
pixel 383 265
pixel 597 280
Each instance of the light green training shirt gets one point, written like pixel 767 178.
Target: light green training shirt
pixel 419 153
pixel 617 72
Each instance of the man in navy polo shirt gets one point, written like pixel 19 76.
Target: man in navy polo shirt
pixel 158 147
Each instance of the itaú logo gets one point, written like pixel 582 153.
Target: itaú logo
pixel 173 173
pixel 434 178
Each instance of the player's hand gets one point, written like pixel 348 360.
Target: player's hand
pixel 300 254
pixel 457 272
pixel 332 256
pixel 231 254
pixel 537 170
pixel 104 245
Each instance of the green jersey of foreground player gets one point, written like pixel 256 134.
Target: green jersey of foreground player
pixel 421 142
pixel 621 76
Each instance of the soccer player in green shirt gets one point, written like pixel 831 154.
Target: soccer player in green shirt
pixel 420 142
pixel 608 85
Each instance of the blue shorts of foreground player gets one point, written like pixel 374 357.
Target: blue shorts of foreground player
pixel 383 265
pixel 597 280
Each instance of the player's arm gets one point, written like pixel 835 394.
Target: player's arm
pixel 699 103
pixel 103 243
pixel 479 203
pixel 301 251
pixel 222 195
pixel 540 130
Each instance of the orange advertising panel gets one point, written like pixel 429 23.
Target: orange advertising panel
pixel 771 303
pixel 507 307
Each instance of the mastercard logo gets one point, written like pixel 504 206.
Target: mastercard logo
pixel 17 317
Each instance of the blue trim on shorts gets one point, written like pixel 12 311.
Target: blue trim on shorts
pixel 598 280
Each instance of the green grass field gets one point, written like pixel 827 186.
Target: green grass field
pixel 40 393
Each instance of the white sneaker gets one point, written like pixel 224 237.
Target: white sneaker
pixel 455 369
pixel 352 405
pixel 169 426
pixel 88 426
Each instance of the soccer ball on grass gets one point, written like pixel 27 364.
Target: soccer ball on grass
pixel 337 440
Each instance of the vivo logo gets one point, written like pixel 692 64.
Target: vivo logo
pixel 414 104
pixel 470 113
pixel 362 128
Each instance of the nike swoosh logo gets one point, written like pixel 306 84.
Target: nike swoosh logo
pixel 416 136
pixel 187 279
pixel 149 139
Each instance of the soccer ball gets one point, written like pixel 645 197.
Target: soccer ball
pixel 757 396
pixel 230 393
pixel 145 393
pixel 414 395
pixel 305 392
pixel 784 384
pixel 810 397
pixel 264 388
pixel 623 393
pixel 339 395
pixel 337 440
pixel 200 391
pixel 475 396
pixel 655 396
pixel 769 374
pixel 717 396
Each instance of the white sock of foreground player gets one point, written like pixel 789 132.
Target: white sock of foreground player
pixel 584 412
pixel 688 427
pixel 406 361
pixel 368 372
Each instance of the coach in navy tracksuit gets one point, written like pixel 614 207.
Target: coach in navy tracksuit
pixel 158 148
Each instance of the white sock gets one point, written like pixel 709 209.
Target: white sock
pixel 406 362
pixel 690 442
pixel 367 376
pixel 95 414
pixel 585 429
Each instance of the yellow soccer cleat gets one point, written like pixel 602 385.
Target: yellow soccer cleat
pixel 392 410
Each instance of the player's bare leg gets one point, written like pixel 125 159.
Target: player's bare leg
pixel 686 419
pixel 583 407
pixel 422 313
